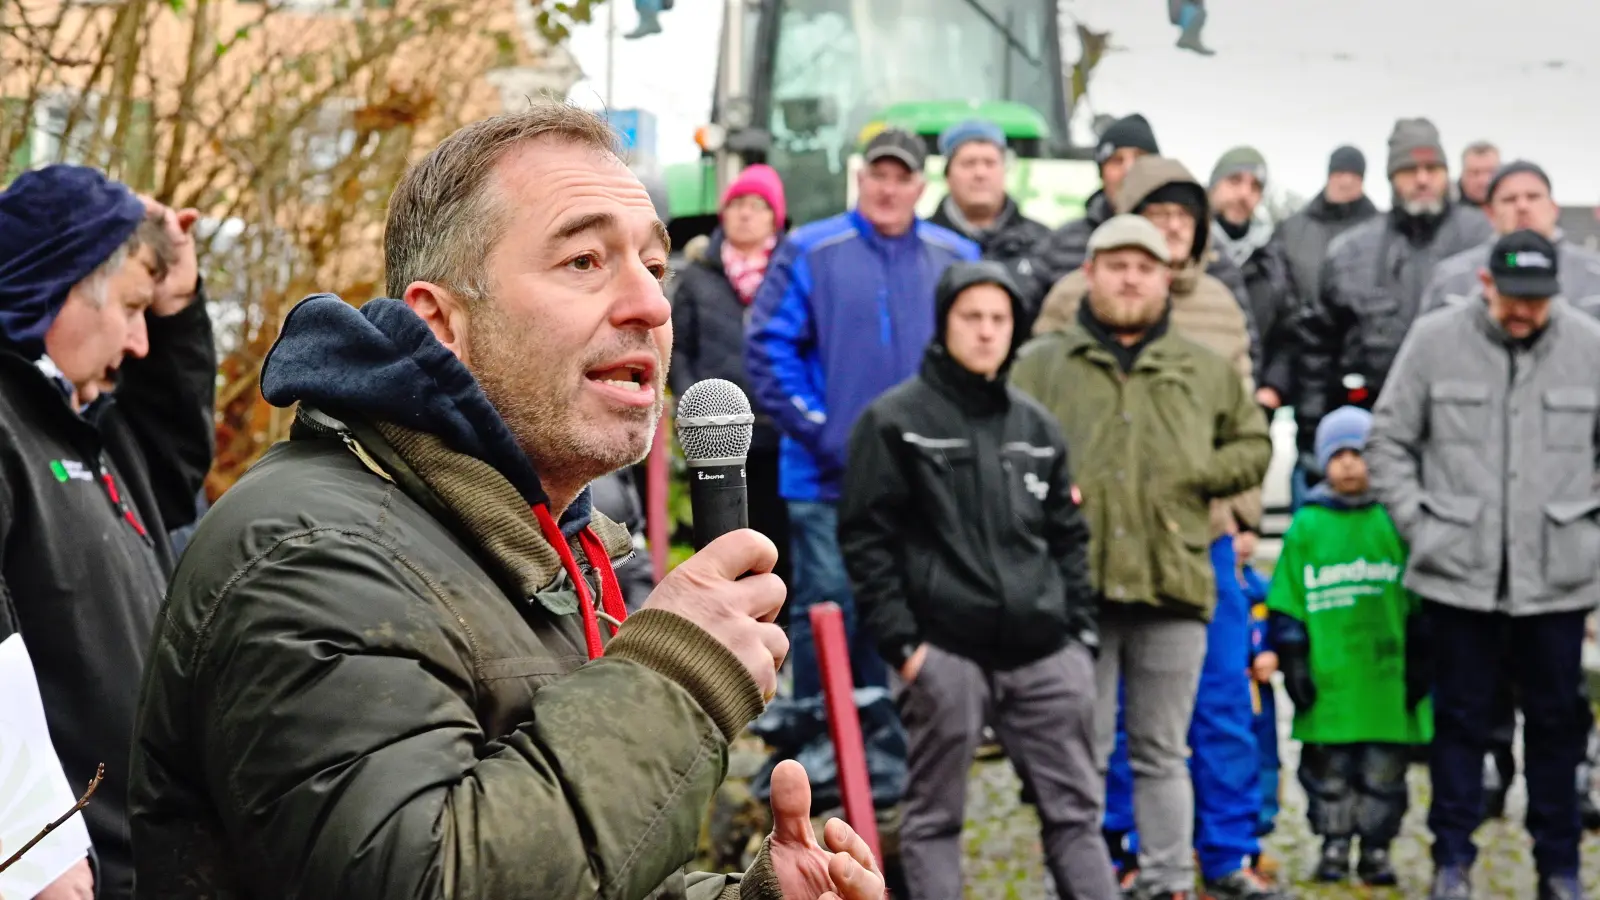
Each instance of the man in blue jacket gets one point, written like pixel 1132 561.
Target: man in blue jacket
pixel 843 315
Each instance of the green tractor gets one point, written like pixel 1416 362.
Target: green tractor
pixel 803 84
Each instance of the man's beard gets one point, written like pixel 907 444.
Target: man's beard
pixel 1127 319
pixel 1427 206
pixel 531 382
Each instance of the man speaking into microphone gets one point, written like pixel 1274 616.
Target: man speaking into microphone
pixel 390 664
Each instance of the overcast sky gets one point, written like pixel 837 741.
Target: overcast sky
pixel 1294 78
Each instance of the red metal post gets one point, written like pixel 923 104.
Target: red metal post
pixel 657 528
pixel 844 722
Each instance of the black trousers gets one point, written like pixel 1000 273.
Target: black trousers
pixel 1355 790
pixel 1546 654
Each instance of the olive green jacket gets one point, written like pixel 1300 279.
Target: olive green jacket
pixel 369 681
pixel 1152 448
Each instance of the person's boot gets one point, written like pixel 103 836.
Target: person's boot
pixel 1560 887
pixel 1334 864
pixel 1193 20
pixel 1245 884
pixel 1375 868
pixel 649 23
pixel 1451 883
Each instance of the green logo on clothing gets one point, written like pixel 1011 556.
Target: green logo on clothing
pixel 66 470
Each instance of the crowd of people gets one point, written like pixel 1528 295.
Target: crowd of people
pixel 1025 461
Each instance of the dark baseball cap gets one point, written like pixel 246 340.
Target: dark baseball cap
pixel 1524 265
pixel 897 143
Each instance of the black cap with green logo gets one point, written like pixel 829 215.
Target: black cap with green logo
pixel 1524 264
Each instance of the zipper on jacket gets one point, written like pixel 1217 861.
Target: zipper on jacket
pixel 885 324
pixel 988 448
pixel 1505 478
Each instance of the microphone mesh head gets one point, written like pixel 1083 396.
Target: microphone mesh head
pixel 714 421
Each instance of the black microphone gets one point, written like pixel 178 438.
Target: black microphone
pixel 714 428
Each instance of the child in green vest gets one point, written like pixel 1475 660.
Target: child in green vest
pixel 1350 646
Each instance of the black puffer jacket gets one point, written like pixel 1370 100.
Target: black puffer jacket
pixel 1372 284
pixel 86 503
pixel 708 331
pixel 1010 242
pixel 959 522
pixel 1305 236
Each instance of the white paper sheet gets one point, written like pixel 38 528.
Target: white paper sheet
pixel 33 789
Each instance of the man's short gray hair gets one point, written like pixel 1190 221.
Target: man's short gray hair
pixel 443 222
pixel 152 233
pixel 1478 148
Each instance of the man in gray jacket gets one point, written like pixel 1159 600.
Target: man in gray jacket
pixel 1483 450
pixel 1519 197
pixel 1372 280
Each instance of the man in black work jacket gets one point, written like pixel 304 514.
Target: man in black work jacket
pixel 960 529
pixel 98 290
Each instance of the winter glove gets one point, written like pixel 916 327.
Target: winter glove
pixel 1419 660
pixel 1288 636
pixel 1296 669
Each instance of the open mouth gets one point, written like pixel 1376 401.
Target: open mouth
pixel 632 375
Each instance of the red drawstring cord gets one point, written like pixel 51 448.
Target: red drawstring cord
pixel 127 513
pixel 610 589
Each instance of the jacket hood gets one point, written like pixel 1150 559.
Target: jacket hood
pixel 1151 173
pixel 382 363
pixel 962 275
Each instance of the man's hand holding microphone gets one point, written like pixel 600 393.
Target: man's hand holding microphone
pixel 728 589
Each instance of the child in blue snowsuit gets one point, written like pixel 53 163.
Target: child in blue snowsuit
pixel 1223 763
pixel 1265 723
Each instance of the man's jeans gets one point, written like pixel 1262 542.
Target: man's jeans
pixel 1546 663
pixel 1157 657
pixel 1224 759
pixel 819 577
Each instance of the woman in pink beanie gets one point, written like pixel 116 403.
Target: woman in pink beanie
pixel 710 306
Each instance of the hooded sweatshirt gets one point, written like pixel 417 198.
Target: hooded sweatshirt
pixel 958 520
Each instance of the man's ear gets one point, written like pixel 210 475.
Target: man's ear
pixel 1485 280
pixel 444 313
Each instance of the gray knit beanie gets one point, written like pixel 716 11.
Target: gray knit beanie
pixel 1414 142
pixel 1240 159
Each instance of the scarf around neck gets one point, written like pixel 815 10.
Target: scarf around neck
pixel 745 271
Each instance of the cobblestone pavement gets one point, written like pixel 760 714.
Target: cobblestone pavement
pixel 1003 857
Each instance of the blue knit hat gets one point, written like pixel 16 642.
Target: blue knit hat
pixel 971 130
pixel 57 225
pixel 1345 428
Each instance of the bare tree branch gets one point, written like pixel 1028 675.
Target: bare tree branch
pixel 99 773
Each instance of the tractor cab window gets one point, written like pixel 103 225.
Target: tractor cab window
pixel 838 63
